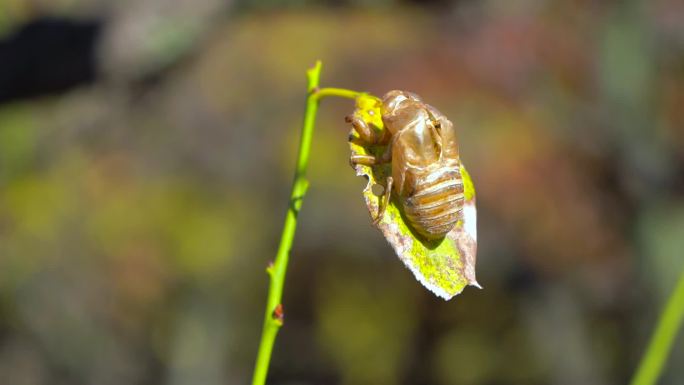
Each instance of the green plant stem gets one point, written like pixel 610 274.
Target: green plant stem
pixel 339 92
pixel 273 318
pixel 663 337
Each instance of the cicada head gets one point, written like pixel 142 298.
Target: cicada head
pixel 402 109
pixel 393 99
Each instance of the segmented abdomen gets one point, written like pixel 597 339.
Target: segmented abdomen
pixel 436 203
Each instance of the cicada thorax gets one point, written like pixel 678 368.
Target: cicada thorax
pixel 425 164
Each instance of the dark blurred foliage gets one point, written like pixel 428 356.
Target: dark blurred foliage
pixel 47 55
pixel 137 217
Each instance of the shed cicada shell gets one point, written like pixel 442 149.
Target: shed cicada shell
pixel 422 147
pixel 426 210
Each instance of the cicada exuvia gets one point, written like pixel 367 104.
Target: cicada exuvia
pixel 426 171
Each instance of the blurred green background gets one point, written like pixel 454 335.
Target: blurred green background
pixel 147 149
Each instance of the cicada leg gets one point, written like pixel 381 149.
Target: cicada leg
pixel 371 137
pixel 366 160
pixel 371 160
pixel 382 206
pixel 365 132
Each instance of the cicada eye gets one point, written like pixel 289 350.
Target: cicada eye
pixel 413 96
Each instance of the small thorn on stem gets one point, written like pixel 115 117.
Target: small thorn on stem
pixel 279 314
pixel 315 90
pixel 269 268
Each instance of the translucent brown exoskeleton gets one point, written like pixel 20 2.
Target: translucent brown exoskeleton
pixel 426 175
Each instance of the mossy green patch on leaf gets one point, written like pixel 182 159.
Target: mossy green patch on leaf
pixel 444 266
